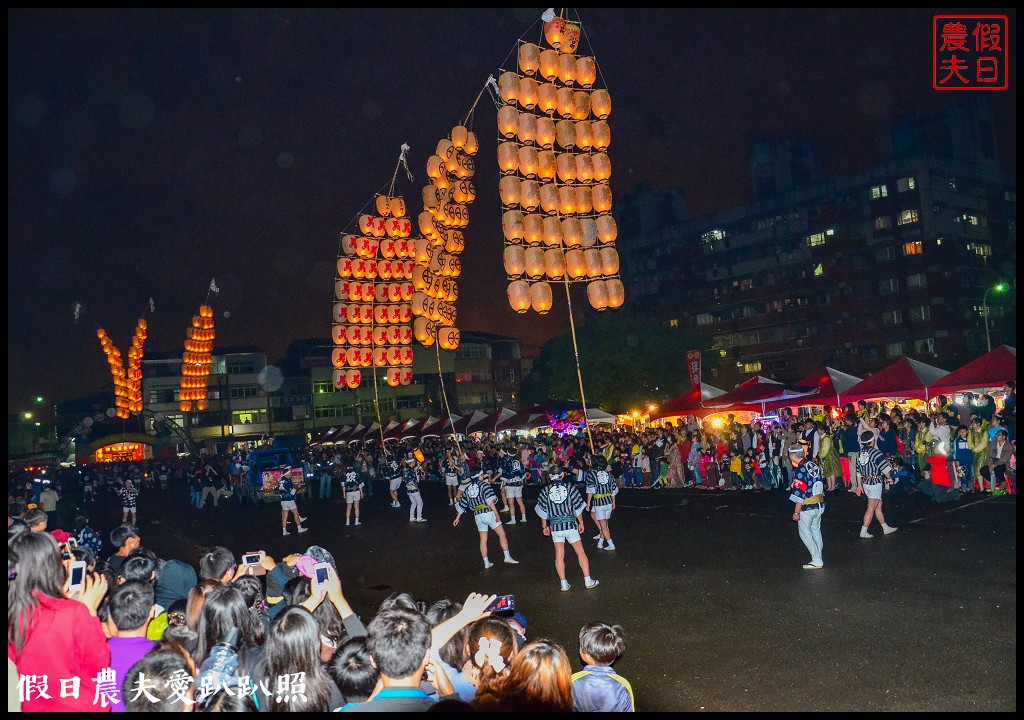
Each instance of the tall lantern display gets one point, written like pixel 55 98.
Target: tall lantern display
pixel 561 148
pixel 196 361
pixel 373 291
pixel 127 378
pixel 445 215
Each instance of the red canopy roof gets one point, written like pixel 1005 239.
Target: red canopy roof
pixel 905 378
pixel 528 419
pixel 828 384
pixel 755 394
pixel 689 402
pixel 989 371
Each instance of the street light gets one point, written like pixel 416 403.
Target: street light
pixel 1000 287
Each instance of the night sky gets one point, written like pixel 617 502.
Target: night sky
pixel 152 150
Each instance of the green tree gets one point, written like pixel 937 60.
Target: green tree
pixel 626 362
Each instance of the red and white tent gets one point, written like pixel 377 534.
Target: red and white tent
pixel 989 372
pixel 905 379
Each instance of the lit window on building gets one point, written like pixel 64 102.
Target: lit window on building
pixel 913 248
pixel 980 249
pixel 879 191
pixel 711 235
pixel 673 322
pixel 907 217
pixel 905 184
pixel 819 270
pixel 752 367
pixel 894 349
pixel 816 240
pixel 970 219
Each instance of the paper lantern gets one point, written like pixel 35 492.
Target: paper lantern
pixel 545 132
pixel 421 327
pixel 601 104
pixel 339 312
pixel 184 406
pixel 551 231
pixel 407 355
pixel 472 144
pixel 405 291
pixel 566 104
pixel 338 357
pixel 565 134
pixel 584 168
pixel 572 230
pixel 508 86
pixel 602 198
pixel 602 134
pixel 528 93
pixel 344 267
pixel 616 293
pixel 566 200
pixel 547 98
pixel 519 296
pixel 448 338
pixel 429 195
pixel 589 229
pixel 594 263
pixel 584 135
pixel 515 260
pixel 554 263
pixel 446 150
pixel 548 66
pixel 365 314
pixel 442 181
pixel 383 205
pixel 607 230
pixel 459 136
pixel 398 207
pixel 529 58
pixel 567 68
pixel 509 189
pixel 565 165
pixel 393 377
pixel 549 198
pixel 533 228
pixel 353 378
pixel 540 297
pixel 584 199
pixel 394 335
pixel 464 192
pixel 547 168
pixel 562 34
pixel 534 262
pixel 380 357
pixel 339 379
pixel 508 120
pixel 528 161
pixel 508 157
pixel 529 194
pixel 352 357
pixel 586 70
pixel 435 166
pixel 512 225
pixel 610 260
pixel 368 246
pixel 380 312
pixel 526 130
pixel 575 264
pixel 602 167
pixel 580 105
pixel 339 335
pixel 597 294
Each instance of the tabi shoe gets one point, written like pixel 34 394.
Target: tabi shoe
pixel 512 521
pixel 593 585
pixel 357 521
pixel 812 566
pixel 302 529
pixel 610 546
pixel 510 561
pixel 889 530
pixel 284 531
pixel 865 535
pixel 565 586
pixel 488 565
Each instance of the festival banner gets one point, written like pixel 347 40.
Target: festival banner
pixel 693 366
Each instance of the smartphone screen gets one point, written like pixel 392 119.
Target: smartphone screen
pixel 72 543
pixel 321 574
pixel 253 559
pixel 503 603
pixel 77 574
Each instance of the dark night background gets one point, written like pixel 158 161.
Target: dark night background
pixel 152 150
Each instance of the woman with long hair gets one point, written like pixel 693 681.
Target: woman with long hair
pixel 538 681
pixel 224 609
pixel 293 647
pixel 194 611
pixel 252 592
pixel 491 646
pixel 52 631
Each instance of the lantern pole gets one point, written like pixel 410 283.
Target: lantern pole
pixel 444 396
pixel 576 353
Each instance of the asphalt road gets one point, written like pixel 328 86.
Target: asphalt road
pixel 718 614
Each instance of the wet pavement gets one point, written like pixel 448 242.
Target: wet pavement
pixel 718 614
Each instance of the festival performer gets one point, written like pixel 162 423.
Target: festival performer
pixel 411 479
pixel 601 491
pixel 513 474
pixel 354 491
pixel 287 489
pixel 450 470
pixel 393 473
pixel 872 469
pixel 560 507
pixel 478 495
pixel 808 494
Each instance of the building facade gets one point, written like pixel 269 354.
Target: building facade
pixel 853 272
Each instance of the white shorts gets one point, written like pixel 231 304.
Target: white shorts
pixel 514 491
pixel 874 492
pixel 395 484
pixel 289 505
pixel 566 536
pixel 128 509
pixel 602 512
pixel 486 521
pixel 451 480
pixel 352 497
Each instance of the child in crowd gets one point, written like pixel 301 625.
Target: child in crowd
pixel 734 476
pixel 749 469
pixel 963 460
pixel 904 478
pixel 597 688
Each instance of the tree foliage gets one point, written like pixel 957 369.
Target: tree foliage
pixel 627 362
